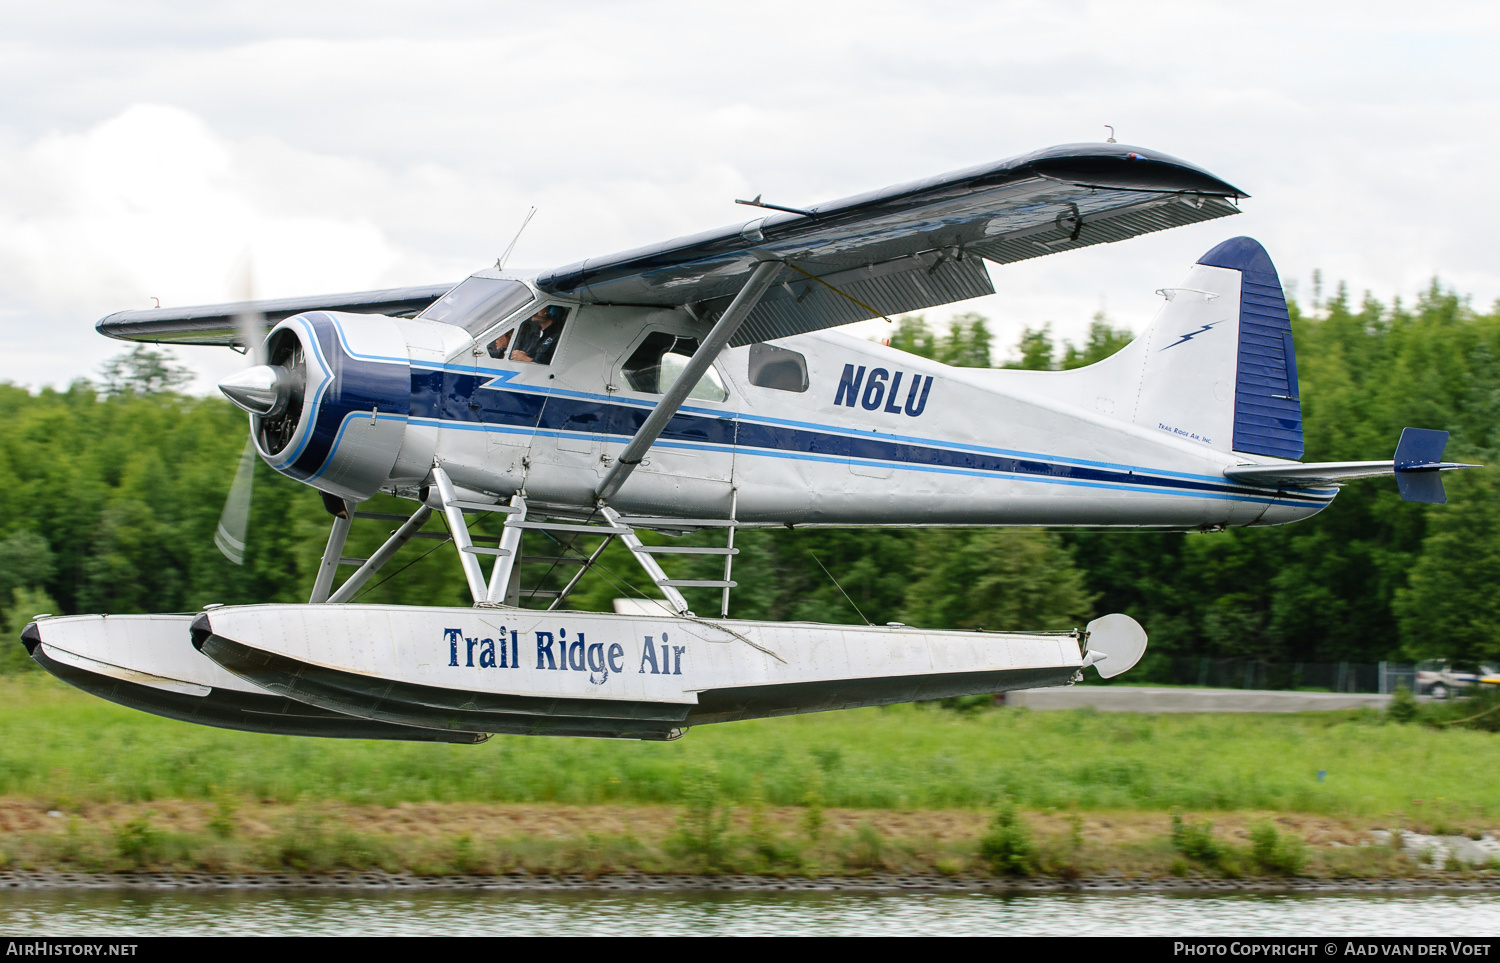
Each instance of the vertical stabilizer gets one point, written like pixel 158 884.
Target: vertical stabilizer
pixel 1216 365
pixel 1267 406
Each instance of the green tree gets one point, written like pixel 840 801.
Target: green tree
pixel 1037 350
pixel 967 344
pixel 143 371
pixel 1104 340
pixel 1449 608
pixel 997 579
pixel 26 561
pixel 22 606
pixel 1007 849
pixel 914 336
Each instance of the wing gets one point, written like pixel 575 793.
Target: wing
pixel 215 323
pixel 903 248
pixel 910 246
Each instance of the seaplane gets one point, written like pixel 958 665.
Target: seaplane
pixel 699 386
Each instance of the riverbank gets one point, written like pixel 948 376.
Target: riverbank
pixel 663 883
pixel 910 791
pixel 239 838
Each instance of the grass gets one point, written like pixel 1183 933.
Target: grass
pixel 705 836
pixel 87 785
pixel 67 747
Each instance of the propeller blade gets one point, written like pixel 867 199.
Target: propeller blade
pixel 234 523
pixel 252 325
pixel 253 334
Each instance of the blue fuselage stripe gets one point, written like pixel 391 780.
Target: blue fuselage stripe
pixel 461 400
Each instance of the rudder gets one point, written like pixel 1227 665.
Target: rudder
pixel 1267 404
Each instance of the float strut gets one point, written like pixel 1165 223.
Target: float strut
pixel 382 555
pixel 510 550
pixel 330 564
pixel 466 556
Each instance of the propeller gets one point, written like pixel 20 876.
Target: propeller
pixel 247 390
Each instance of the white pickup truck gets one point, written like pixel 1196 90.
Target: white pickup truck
pixel 1440 680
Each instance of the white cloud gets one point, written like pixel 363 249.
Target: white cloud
pixel 150 203
pixel 143 149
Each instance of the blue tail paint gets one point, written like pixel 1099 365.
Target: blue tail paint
pixel 1418 455
pixel 1420 448
pixel 1267 406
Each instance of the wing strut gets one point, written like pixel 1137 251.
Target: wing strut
pixel 656 422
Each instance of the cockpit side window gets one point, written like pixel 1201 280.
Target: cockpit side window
pixel 658 362
pixel 773 367
pixel 536 339
pixel 478 303
pixel 500 346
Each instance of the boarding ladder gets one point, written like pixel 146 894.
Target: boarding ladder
pixel 503 585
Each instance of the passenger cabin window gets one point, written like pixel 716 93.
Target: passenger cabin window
pixel 478 303
pixel 660 360
pixel 535 339
pixel 772 367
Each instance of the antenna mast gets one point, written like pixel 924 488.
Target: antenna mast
pixel 500 261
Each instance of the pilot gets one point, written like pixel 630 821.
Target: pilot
pixel 500 345
pixel 536 341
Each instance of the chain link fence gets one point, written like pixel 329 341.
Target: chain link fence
pixel 1204 672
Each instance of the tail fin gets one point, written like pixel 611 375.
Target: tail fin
pixel 1216 365
pixel 1267 402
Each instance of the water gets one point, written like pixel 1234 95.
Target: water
pixel 290 912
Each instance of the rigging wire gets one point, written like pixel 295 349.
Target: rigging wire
pixel 842 294
pixel 1454 722
pixel 839 587
pixel 597 566
pixel 562 549
pixel 370 588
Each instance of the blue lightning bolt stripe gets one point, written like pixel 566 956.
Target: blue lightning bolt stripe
pixel 1192 334
pixel 501 377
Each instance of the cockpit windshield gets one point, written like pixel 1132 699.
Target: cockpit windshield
pixel 478 303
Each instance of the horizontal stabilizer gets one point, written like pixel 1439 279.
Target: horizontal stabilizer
pixel 1418 460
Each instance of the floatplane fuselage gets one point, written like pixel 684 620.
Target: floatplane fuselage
pixel 696 385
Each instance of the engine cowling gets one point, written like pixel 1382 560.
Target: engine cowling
pixel 330 405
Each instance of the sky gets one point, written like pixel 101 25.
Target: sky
pixel 149 149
